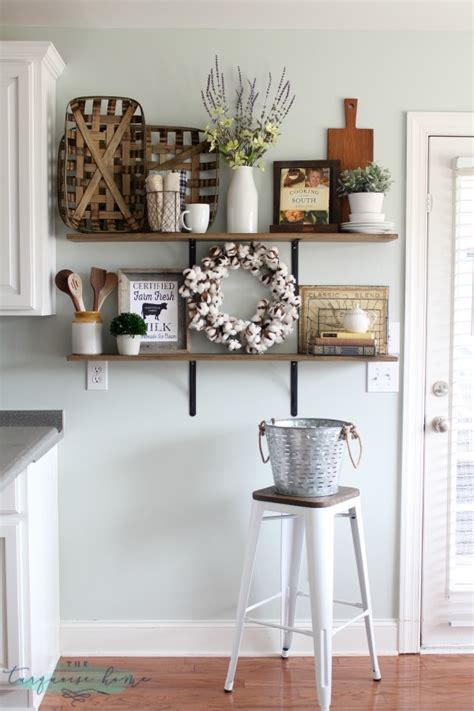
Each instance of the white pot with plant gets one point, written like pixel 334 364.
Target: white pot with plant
pixel 243 136
pixel 128 329
pixel 365 188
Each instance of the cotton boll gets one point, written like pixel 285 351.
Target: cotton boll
pixel 230 249
pixel 242 251
pixel 234 345
pixel 203 309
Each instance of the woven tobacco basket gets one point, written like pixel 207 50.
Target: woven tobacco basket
pixel 179 148
pixel 101 165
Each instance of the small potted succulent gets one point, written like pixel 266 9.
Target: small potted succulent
pixel 128 329
pixel 365 188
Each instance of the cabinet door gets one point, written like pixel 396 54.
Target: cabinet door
pixel 16 176
pixel 10 651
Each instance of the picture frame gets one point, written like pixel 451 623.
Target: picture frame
pixel 153 294
pixel 321 304
pixel 305 196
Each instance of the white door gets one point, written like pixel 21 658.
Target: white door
pixel 448 525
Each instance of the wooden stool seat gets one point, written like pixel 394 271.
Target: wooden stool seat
pixel 269 494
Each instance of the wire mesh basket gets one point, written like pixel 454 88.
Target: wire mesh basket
pixel 163 210
pixel 306 454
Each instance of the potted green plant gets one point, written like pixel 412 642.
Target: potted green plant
pixel 365 188
pixel 128 329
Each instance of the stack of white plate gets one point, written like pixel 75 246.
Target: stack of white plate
pixel 368 222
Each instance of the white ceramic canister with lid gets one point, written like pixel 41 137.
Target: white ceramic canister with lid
pixel 87 337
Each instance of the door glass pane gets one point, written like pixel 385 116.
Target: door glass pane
pixel 462 400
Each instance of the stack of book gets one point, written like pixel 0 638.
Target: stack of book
pixel 343 343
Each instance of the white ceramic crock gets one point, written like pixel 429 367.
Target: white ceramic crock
pixel 87 331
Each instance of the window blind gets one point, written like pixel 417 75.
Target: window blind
pixel 461 559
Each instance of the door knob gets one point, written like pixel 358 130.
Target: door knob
pixel 440 424
pixel 440 388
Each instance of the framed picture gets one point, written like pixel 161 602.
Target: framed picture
pixel 321 308
pixel 153 294
pixel 304 196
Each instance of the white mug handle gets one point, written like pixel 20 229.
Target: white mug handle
pixel 182 221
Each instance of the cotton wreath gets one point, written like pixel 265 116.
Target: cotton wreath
pixel 274 319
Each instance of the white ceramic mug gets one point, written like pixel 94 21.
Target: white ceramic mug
pixel 198 217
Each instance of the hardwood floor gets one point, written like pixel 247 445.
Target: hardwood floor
pixel 409 683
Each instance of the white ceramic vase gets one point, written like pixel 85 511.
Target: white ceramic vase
pixel 366 202
pixel 242 201
pixel 128 345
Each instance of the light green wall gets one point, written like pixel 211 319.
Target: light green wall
pixel 153 503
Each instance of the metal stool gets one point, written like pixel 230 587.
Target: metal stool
pixel 313 517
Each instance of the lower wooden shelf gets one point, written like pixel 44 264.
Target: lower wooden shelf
pixel 186 357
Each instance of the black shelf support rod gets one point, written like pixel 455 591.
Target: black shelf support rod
pixel 192 363
pixel 295 244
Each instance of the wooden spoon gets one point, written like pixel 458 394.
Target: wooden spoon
pixel 75 287
pixel 61 282
pixel 97 282
pixel 110 284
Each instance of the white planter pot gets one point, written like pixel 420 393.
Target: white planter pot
pixel 242 201
pixel 366 202
pixel 128 345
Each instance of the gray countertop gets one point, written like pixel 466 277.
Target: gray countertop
pixel 25 436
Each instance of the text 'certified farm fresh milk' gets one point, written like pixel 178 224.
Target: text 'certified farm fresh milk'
pixel 157 303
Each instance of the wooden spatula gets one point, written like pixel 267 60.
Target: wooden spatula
pixel 110 284
pixel 97 282
pixel 352 146
pixel 75 287
pixel 61 282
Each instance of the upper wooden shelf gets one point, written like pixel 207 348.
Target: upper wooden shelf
pixel 242 357
pixel 229 237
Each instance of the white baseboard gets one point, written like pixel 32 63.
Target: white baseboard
pixel 208 638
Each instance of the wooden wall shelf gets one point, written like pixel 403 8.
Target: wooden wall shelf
pixel 242 358
pixel 294 238
pixel 346 237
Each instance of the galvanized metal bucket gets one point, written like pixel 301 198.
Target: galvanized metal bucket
pixel 306 454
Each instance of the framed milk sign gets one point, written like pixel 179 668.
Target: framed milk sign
pixel 153 294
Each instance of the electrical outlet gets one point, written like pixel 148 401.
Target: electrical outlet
pixel 382 377
pixel 96 378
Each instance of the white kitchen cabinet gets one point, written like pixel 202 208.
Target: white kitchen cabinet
pixel 29 582
pixel 28 74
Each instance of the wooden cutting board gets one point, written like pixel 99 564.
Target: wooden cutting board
pixel 352 146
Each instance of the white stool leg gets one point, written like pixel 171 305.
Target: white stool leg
pixel 361 560
pixel 292 532
pixel 247 572
pixel 319 528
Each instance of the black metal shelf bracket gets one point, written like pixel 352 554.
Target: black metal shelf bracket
pixel 295 248
pixel 192 363
pixel 293 364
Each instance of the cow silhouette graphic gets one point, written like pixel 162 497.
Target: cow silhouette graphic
pixel 153 310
